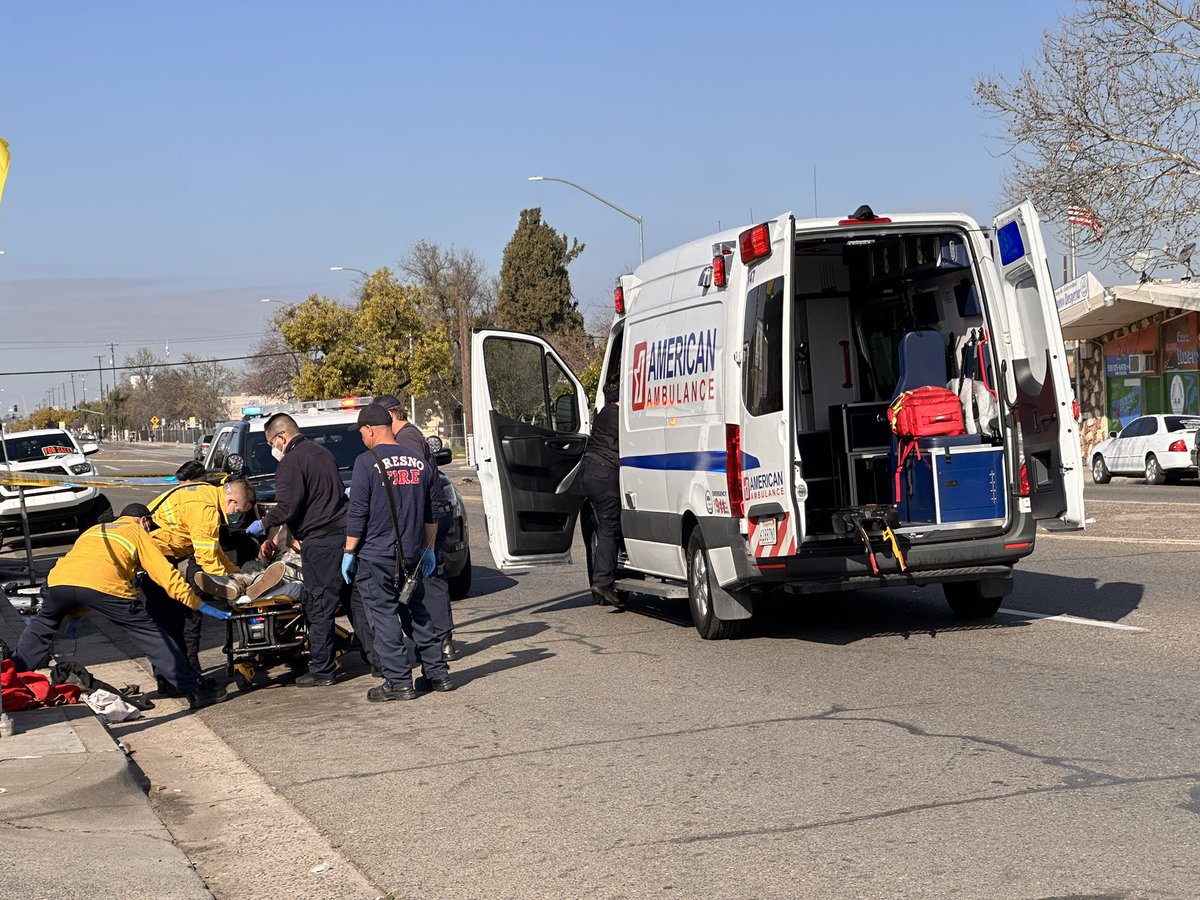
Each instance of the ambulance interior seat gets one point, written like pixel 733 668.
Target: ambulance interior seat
pixel 922 359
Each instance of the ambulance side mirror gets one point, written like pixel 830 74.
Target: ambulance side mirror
pixel 566 414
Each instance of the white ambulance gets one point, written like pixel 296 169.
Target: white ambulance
pixel 756 367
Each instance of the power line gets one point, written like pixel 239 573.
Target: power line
pixel 67 345
pixel 192 362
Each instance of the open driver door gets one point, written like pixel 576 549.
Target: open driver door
pixel 531 428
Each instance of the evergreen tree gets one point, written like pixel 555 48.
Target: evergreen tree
pixel 535 288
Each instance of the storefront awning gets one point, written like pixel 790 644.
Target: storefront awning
pixel 1087 309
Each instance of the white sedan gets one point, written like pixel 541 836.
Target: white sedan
pixel 1152 447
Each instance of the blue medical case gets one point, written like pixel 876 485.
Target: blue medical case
pixel 948 480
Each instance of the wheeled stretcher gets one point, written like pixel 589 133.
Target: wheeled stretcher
pixel 271 631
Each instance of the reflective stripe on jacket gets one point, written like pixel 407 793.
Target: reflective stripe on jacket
pixel 189 524
pixel 106 558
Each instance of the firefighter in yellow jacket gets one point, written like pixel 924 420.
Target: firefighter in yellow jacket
pixel 187 526
pixel 98 573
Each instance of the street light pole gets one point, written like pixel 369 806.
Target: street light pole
pixel 350 269
pixel 624 212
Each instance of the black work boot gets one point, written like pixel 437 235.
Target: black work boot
pixel 206 694
pixel 445 683
pixel 448 652
pixel 389 691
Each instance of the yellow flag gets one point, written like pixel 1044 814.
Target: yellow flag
pixel 3 165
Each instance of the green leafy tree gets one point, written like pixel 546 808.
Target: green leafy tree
pixel 535 288
pixel 384 344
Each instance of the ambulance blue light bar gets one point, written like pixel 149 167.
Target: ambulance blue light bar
pixel 251 410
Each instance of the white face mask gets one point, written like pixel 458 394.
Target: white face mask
pixel 277 453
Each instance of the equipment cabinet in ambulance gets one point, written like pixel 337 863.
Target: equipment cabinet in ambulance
pixel 756 370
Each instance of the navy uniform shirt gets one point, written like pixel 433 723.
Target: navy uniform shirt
pixel 411 439
pixel 309 495
pixel 369 518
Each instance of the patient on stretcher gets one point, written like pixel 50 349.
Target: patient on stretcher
pixel 259 579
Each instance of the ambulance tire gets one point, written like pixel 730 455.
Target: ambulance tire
pixel 968 601
pixel 701 587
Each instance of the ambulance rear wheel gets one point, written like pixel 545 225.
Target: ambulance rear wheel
pixel 967 600
pixel 700 594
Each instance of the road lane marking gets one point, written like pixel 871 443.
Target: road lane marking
pixel 1186 503
pixel 1116 540
pixel 1070 620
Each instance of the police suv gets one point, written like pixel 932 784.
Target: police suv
pixel 55 452
pixel 757 367
pixel 240 449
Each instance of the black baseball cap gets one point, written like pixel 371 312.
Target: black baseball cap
pixel 387 401
pixel 371 415
pixel 136 511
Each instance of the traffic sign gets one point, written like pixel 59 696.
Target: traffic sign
pixel 154 421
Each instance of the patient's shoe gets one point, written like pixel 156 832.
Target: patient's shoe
pixel 270 577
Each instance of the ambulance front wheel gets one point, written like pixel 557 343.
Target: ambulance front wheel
pixel 702 588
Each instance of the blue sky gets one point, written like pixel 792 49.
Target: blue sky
pixel 172 163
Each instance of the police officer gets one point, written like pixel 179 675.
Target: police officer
pixel 600 479
pixel 390 527
pixel 437 589
pixel 98 573
pixel 311 501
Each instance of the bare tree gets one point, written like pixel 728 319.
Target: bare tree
pixel 457 282
pixel 1105 119
pixel 270 374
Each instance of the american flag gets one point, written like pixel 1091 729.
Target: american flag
pixel 1085 216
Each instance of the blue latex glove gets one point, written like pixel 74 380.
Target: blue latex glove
pixel 428 562
pixel 347 567
pixel 255 527
pixel 213 612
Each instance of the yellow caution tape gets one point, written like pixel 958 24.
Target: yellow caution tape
pixel 47 479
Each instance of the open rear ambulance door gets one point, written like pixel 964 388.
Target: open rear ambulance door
pixel 1039 384
pixel 531 427
pixel 767 467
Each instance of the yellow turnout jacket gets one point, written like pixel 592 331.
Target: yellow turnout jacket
pixel 106 558
pixel 189 524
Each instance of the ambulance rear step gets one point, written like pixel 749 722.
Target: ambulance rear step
pixel 652 586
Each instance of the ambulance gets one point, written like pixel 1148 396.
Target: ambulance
pixel 756 369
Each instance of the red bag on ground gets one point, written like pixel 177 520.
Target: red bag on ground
pixel 29 690
pixel 927 411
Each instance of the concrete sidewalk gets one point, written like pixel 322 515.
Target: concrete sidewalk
pixel 75 821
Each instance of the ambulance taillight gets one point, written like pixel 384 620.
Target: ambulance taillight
pixel 754 244
pixel 719 275
pixel 619 300
pixel 733 470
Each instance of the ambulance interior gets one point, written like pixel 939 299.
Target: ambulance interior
pixel 876 316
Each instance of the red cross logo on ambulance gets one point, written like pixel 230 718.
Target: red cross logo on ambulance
pixel 679 370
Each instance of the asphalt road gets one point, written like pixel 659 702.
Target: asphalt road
pixel 850 745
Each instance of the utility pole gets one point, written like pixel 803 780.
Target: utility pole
pixel 83 382
pixel 74 399
pixel 112 358
pixel 100 372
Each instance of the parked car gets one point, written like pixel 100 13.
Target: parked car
pixel 203 442
pixel 1156 448
pixel 50 451
pixel 240 449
